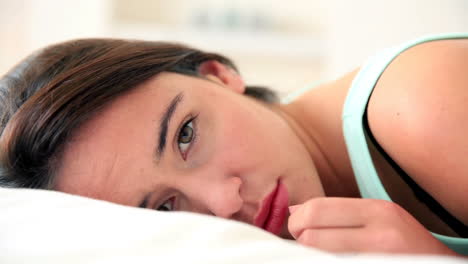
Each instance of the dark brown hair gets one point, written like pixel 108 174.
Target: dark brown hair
pixel 53 91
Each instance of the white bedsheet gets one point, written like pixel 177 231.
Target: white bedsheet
pixel 51 227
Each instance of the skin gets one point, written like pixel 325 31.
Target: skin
pixel 234 162
pixel 239 152
pixel 417 113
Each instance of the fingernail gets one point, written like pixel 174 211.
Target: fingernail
pixel 293 208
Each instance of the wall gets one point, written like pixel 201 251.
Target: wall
pixel 283 44
pixel 356 29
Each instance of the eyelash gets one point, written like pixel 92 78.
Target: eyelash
pixel 193 120
pixel 171 201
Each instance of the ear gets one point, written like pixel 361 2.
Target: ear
pixel 218 72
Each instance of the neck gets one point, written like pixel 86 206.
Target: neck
pixel 316 119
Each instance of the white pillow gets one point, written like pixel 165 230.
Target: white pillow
pixel 50 227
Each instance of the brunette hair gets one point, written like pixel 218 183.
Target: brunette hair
pixel 54 90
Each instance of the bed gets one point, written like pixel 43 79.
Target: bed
pixel 40 226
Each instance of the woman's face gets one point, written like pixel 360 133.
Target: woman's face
pixel 184 143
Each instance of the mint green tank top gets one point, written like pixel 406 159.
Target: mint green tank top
pixel 359 93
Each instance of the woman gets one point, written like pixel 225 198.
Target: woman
pixel 167 127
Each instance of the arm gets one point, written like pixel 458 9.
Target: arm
pixel 418 114
pixel 421 95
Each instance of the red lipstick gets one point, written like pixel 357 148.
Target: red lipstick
pixel 273 210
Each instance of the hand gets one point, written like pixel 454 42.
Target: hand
pixel 361 225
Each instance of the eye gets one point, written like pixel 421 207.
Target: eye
pixel 186 137
pixel 167 206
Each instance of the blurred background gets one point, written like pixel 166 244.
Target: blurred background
pixel 282 44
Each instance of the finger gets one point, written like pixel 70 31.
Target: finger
pixel 329 213
pixel 338 240
pixel 373 239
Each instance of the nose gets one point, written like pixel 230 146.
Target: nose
pixel 219 197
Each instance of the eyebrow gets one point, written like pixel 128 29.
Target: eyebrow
pixel 164 125
pixel 162 138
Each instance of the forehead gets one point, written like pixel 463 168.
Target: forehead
pixel 107 153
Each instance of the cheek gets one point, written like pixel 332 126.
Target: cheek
pixel 242 140
pixel 223 140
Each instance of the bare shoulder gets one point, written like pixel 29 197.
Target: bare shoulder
pixel 418 114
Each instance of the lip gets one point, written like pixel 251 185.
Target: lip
pixel 273 210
